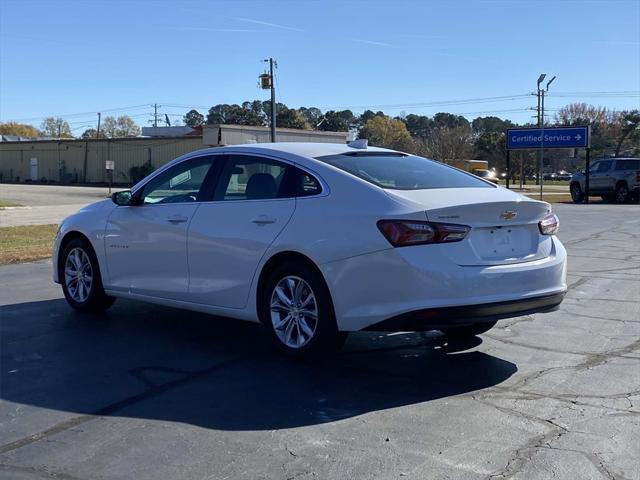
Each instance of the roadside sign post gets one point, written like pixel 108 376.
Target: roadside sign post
pixel 508 166
pixel 587 174
pixel 549 137
pixel 109 166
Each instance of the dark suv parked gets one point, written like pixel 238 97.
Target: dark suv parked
pixel 616 179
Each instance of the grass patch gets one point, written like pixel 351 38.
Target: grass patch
pixel 8 203
pixel 553 198
pixel 26 243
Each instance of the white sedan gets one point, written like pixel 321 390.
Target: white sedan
pixel 317 240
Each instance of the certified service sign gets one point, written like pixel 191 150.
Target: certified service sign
pixel 552 137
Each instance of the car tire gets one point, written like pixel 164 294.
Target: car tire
pixel 577 195
pixel 79 274
pixel 622 193
pixel 468 330
pixel 295 307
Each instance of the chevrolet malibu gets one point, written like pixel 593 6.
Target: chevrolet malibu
pixel 314 241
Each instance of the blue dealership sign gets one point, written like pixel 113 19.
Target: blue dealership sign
pixel 552 137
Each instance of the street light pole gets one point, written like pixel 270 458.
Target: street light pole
pixel 540 122
pixel 542 92
pixel 267 82
pixel 273 102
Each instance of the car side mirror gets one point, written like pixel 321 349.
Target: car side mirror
pixel 123 198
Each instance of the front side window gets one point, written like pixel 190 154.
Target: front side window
pixel 403 172
pixel 180 183
pixel 604 166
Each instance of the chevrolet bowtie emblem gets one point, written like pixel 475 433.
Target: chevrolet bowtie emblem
pixel 508 214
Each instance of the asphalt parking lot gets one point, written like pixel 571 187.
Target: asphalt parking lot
pixel 149 392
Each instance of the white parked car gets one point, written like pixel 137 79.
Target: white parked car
pixel 316 240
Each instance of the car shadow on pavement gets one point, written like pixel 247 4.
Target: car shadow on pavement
pixel 151 362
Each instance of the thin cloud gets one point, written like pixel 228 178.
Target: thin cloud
pixel 224 30
pixel 370 42
pixel 267 24
pixel 615 42
pixel 424 37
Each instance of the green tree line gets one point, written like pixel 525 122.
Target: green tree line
pixel 443 136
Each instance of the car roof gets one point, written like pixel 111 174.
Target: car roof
pixel 304 149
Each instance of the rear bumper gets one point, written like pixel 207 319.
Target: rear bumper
pixel 370 289
pixel 433 318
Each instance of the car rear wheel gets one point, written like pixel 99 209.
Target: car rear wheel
pixel 468 330
pixel 622 193
pixel 296 309
pixel 577 195
pixel 80 278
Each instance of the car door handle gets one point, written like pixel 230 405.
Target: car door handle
pixel 177 219
pixel 263 220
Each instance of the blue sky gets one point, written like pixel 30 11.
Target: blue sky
pixel 80 57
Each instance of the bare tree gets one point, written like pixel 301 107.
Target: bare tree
pixel 122 126
pixel 56 127
pixel 448 144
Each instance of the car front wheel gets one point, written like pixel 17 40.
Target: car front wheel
pixel 576 193
pixel 296 309
pixel 80 278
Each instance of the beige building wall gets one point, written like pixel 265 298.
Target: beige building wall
pixel 83 161
pixel 215 135
pixel 79 161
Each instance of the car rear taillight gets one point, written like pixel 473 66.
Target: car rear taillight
pixel 549 225
pixel 403 233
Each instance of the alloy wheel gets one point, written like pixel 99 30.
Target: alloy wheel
pixel 78 275
pixel 294 312
pixel 621 194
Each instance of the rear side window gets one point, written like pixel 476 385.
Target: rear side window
pixel 403 172
pixel 304 184
pixel 628 164
pixel 245 177
pixel 604 166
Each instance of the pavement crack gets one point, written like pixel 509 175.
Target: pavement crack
pixel 42 472
pixel 152 391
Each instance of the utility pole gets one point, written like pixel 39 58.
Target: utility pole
pixel 155 114
pixel 267 82
pixel 98 130
pixel 541 94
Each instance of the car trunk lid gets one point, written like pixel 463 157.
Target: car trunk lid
pixel 504 225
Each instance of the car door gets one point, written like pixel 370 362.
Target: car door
pixel 228 236
pixel 599 178
pixel 146 242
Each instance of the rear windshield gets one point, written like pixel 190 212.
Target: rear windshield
pixel 403 172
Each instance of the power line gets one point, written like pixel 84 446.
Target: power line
pixel 465 101
pixel 69 115
pixel 78 116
